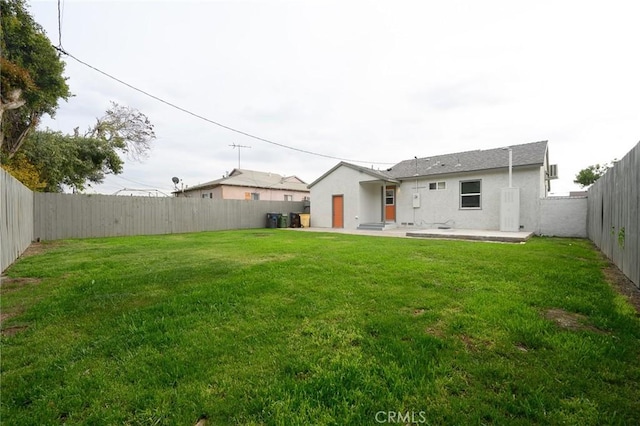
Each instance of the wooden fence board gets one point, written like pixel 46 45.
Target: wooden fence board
pixel 16 217
pixel 613 219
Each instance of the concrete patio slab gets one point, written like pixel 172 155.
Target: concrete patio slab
pixel 472 234
pixel 457 234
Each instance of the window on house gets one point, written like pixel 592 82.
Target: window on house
pixel 288 197
pixel 437 185
pixel 255 196
pixel 390 197
pixel 470 194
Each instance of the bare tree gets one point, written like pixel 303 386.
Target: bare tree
pixel 125 129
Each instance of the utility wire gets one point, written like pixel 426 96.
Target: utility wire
pixel 186 111
pixel 133 181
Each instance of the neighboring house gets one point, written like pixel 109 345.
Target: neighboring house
pixel 467 190
pixel 243 184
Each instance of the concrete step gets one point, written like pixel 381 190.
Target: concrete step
pixel 377 226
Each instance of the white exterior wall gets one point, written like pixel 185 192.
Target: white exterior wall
pixel 370 203
pixel 442 207
pixel 345 181
pixel 563 217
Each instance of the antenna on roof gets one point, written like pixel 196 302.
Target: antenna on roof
pixel 239 148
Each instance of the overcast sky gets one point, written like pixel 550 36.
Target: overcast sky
pixel 374 82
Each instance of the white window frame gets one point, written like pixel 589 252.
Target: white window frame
pixel 471 194
pixel 437 186
pixel 390 195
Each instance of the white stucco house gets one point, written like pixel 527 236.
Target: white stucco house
pixel 465 190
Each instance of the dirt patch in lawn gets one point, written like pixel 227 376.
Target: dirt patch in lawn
pixel 8 284
pixel 623 285
pixel 470 343
pixel 12 330
pixel 39 248
pixel 570 320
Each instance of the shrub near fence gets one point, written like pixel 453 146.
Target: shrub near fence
pixel 613 220
pixel 16 219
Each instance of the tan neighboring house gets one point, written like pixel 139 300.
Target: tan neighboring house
pixel 242 184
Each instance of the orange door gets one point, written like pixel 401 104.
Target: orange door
pixel 338 211
pixel 390 204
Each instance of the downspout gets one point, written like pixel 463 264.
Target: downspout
pixel 416 175
pixel 510 168
pixel 414 210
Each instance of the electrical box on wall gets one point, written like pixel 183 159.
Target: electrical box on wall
pixel 510 209
pixel 416 200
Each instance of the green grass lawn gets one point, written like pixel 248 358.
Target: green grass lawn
pixel 293 328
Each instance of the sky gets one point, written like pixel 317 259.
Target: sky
pixel 369 82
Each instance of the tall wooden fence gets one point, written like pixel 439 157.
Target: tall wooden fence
pixel 613 220
pixel 16 217
pixel 27 216
pixel 58 216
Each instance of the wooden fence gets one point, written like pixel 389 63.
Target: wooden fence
pixel 613 219
pixel 16 217
pixel 59 216
pixel 27 216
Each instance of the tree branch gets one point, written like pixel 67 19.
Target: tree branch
pixel 33 122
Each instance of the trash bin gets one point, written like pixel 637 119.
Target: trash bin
pixel 282 221
pixel 305 220
pixel 272 220
pixel 294 220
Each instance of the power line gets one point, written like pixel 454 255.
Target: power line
pixel 186 111
pixel 133 181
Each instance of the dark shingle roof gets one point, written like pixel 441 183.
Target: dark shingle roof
pixel 528 154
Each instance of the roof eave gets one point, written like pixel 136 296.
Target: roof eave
pixel 356 168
